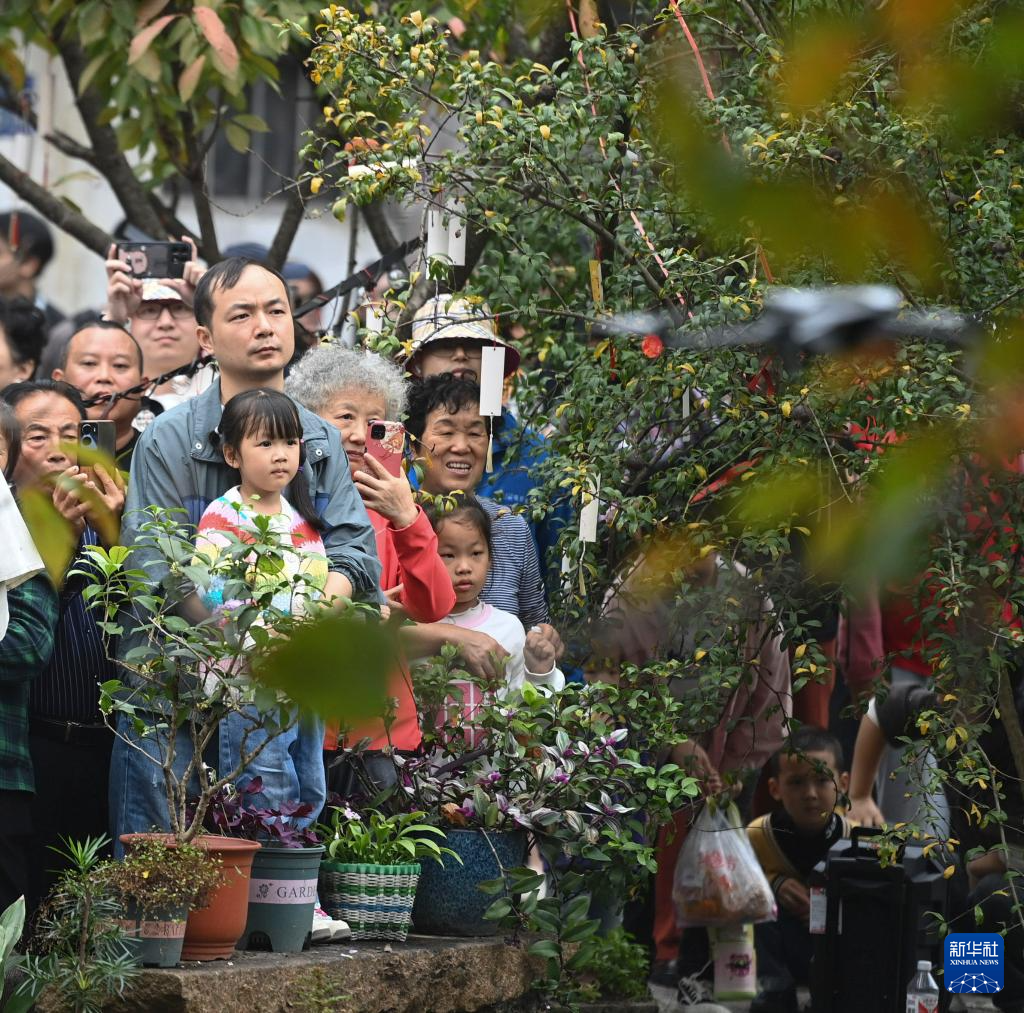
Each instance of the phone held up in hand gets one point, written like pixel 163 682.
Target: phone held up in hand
pixel 97 443
pixel 155 260
pixel 385 442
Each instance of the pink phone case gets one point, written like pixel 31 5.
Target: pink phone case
pixel 387 446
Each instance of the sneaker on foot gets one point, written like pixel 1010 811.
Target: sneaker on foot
pixel 692 990
pixel 327 929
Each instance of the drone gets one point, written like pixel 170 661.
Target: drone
pixel 798 322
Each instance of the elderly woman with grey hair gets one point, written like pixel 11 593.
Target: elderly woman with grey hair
pixel 350 388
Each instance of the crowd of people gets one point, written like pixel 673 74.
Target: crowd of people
pixel 264 425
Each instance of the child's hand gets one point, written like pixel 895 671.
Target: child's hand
pixel 865 812
pixel 795 898
pixel 539 651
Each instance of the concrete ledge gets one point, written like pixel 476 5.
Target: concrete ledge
pixel 426 974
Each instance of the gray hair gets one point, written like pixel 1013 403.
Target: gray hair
pixel 323 372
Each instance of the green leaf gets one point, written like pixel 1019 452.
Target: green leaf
pixel 90 72
pixel 237 138
pixel 336 667
pixel 52 535
pixel 256 124
pixel 501 907
pixel 544 948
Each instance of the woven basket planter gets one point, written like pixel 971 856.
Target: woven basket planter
pixel 375 900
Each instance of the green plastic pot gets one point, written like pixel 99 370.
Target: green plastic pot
pixel 282 895
pixel 156 937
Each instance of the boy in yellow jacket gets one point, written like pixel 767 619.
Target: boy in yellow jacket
pixel 807 777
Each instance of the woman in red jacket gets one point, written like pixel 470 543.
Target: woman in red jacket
pixel 349 388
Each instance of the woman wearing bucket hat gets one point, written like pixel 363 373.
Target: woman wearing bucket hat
pixel 449 334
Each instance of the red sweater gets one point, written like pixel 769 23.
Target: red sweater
pixel 408 556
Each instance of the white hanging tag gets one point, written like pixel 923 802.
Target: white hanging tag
pixel 686 413
pixel 437 232
pixel 492 379
pixel 373 318
pixel 590 511
pixel 457 233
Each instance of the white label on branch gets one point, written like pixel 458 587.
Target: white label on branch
pixel 590 511
pixel 437 233
pixel 492 379
pixel 457 233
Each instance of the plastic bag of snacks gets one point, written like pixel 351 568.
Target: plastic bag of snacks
pixel 718 879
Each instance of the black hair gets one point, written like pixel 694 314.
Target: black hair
pixel 810 739
pixel 101 325
pixel 271 414
pixel 224 275
pixel 34 237
pixel 444 390
pixel 10 433
pixel 14 393
pixel 24 324
pixel 466 508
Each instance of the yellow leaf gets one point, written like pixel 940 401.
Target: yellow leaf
pixel 950 743
pixel 416 18
pixel 545 131
pixel 948 872
pixel 705 549
pixel 315 183
pixel 786 408
pixel 699 653
pixel 800 651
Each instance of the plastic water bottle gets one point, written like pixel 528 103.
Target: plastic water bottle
pixel 923 993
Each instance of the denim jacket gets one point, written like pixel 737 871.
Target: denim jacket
pixel 177 464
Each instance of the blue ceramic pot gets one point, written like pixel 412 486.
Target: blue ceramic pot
pixel 448 902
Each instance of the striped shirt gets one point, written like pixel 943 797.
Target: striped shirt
pixel 514 582
pixel 69 688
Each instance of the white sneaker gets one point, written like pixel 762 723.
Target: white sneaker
pixel 696 996
pixel 327 929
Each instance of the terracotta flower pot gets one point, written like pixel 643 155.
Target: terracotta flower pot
pixel 212 931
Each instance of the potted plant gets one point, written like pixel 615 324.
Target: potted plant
pixel 182 679
pixel 157 884
pixel 578 775
pixel 283 883
pixel 373 864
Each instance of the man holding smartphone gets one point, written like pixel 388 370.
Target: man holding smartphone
pixel 158 312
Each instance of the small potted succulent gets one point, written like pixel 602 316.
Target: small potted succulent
pixel 283 883
pixel 369 876
pixel 157 884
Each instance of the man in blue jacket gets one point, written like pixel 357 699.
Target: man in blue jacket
pixel 244 320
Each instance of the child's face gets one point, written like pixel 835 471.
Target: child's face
pixel 267 465
pixel 462 547
pixel 808 788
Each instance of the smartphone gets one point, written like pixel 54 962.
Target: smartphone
pixel 155 260
pixel 97 442
pixel 385 442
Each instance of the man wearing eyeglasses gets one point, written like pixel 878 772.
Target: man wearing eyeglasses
pixel 158 313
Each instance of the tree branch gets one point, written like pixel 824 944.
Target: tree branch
pixel 54 209
pixel 289 224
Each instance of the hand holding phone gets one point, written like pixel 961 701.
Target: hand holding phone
pixel 380 481
pixel 155 260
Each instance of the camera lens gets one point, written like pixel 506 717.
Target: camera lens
pixel 88 440
pixel 378 431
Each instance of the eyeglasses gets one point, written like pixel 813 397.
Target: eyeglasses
pixel 153 310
